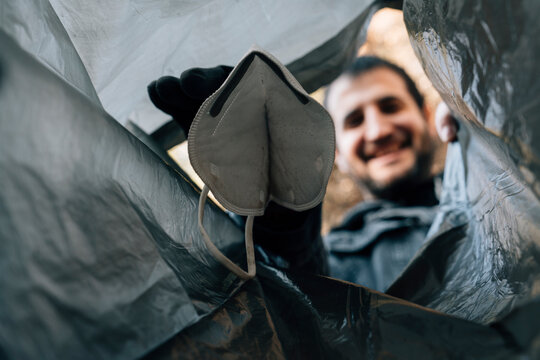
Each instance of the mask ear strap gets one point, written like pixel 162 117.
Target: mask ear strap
pixel 250 253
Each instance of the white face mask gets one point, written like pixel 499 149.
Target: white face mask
pixel 260 137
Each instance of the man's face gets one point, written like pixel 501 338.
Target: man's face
pixel 382 135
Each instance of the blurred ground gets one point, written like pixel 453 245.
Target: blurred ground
pixel 387 38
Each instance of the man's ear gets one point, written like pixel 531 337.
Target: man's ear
pixel 445 123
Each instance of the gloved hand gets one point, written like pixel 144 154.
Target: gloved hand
pixel 293 235
pixel 182 97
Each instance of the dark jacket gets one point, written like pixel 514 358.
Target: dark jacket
pixel 371 247
pixel 375 242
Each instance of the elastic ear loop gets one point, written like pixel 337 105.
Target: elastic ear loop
pixel 250 253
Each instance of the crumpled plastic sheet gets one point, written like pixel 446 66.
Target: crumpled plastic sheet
pixel 126 44
pixel 302 316
pixel 482 59
pixel 37 29
pixel 101 257
pixel 98 236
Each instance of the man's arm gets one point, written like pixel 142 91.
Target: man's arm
pixel 291 239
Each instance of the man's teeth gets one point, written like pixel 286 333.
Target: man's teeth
pixel 386 150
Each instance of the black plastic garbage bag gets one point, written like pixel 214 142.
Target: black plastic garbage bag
pixel 113 51
pixel 485 259
pixel 101 256
pixel 282 315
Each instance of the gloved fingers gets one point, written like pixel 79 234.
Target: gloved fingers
pixel 167 95
pixel 200 83
pixel 182 97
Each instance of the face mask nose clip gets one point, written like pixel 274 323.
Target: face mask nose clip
pixel 250 252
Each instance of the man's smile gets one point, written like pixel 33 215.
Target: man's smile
pixel 389 149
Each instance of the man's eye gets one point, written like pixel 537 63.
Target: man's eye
pixel 390 106
pixel 353 121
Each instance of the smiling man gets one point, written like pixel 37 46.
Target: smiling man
pixel 381 124
pixel 383 141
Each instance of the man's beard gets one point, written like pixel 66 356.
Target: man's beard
pixel 401 187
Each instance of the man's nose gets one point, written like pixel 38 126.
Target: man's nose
pixel 377 126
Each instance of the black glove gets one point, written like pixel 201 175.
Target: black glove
pixel 182 97
pixel 293 235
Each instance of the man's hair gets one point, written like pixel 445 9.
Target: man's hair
pixel 364 64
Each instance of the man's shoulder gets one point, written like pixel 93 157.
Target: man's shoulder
pixel 354 217
pixel 369 221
